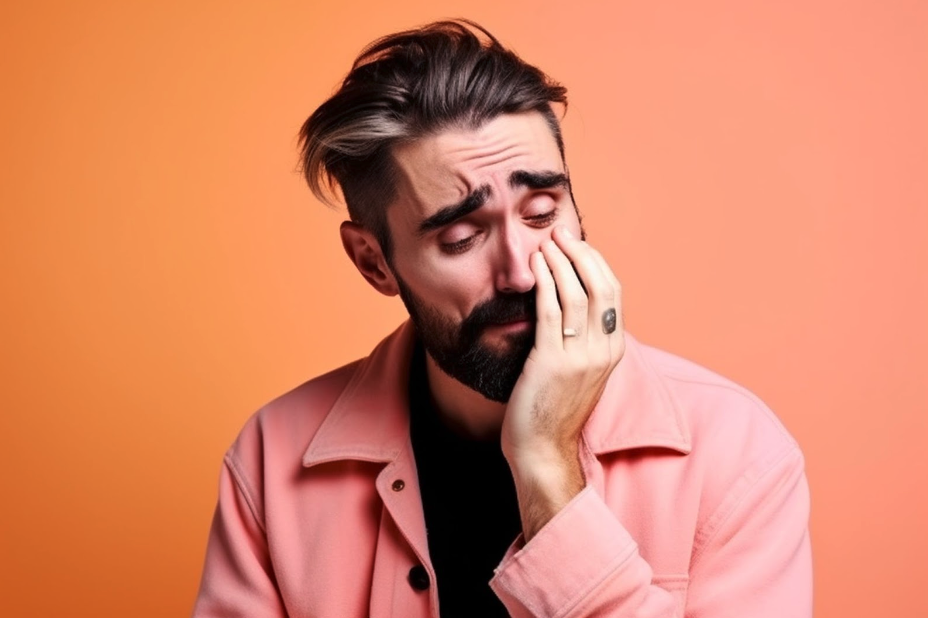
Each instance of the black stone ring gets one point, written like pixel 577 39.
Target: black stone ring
pixel 609 321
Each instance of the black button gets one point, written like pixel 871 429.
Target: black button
pixel 419 577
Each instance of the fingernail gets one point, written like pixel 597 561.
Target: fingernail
pixel 567 233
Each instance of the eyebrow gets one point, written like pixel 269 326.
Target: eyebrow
pixel 479 196
pixel 539 180
pixel 474 200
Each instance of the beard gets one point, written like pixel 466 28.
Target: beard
pixel 457 349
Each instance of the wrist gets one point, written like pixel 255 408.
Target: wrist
pixel 542 454
pixel 545 483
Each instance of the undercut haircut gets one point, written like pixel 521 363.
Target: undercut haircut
pixel 406 86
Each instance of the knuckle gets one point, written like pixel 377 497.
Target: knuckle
pixel 550 316
pixel 602 361
pixel 589 263
pixel 576 367
pixel 604 292
pixel 579 305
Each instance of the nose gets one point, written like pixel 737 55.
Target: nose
pixel 512 272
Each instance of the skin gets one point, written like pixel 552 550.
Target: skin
pixel 520 239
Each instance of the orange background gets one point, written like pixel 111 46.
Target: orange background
pixel 756 173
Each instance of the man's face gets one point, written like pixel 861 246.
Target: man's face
pixel 472 205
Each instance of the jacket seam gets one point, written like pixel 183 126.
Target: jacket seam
pixel 717 520
pixel 756 401
pixel 617 566
pixel 533 606
pixel 241 482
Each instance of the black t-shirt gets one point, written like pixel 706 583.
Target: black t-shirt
pixel 470 505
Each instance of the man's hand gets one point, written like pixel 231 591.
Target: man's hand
pixel 564 375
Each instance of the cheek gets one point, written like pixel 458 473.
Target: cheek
pixel 454 287
pixel 571 219
pixel 459 291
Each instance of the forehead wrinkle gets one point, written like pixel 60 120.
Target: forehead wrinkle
pixel 466 178
pixel 445 167
pixel 481 155
pixel 423 187
pixel 498 181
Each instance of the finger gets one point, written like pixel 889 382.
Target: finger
pixel 600 288
pixel 616 339
pixel 604 266
pixel 571 296
pixel 547 311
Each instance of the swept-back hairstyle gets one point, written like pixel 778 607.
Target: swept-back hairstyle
pixel 405 86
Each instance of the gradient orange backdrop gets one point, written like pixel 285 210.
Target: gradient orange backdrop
pixel 756 173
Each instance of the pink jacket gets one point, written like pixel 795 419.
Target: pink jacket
pixel 696 505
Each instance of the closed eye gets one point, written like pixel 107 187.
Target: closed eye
pixel 459 246
pixel 462 245
pixel 544 218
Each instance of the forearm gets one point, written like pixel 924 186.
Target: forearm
pixel 754 561
pixel 546 480
pixel 576 349
pixel 582 564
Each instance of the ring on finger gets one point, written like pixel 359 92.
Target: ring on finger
pixel 609 321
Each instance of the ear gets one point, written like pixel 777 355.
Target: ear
pixel 367 255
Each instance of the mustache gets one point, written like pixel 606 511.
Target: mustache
pixel 500 309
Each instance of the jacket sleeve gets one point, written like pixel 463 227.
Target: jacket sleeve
pixel 752 559
pixel 238 580
pixel 755 556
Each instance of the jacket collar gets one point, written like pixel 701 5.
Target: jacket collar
pixel 370 419
pixel 636 410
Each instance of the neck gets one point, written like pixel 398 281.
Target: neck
pixel 464 410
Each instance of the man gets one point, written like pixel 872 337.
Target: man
pixel 510 450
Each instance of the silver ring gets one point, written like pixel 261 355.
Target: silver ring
pixel 571 332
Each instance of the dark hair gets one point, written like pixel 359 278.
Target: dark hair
pixel 405 86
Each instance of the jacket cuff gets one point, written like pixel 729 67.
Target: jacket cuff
pixel 569 558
